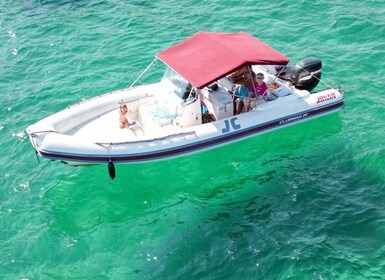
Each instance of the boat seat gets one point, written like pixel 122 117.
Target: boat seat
pixel 155 115
pixel 226 83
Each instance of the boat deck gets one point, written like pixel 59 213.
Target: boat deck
pixel 105 129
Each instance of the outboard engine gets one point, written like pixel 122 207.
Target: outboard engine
pixel 306 74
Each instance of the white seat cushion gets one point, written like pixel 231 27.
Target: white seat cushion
pixel 155 114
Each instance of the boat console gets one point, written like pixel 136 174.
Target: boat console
pixel 219 102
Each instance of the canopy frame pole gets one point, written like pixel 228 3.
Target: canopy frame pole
pixel 141 74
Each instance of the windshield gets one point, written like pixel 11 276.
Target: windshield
pixel 172 82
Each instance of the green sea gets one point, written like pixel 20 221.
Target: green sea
pixel 303 202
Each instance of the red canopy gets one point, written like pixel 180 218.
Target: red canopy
pixel 208 56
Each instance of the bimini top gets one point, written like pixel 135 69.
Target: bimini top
pixel 208 56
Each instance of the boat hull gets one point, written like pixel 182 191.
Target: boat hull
pixel 78 150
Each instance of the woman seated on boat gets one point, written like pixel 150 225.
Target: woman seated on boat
pixel 124 120
pixel 258 87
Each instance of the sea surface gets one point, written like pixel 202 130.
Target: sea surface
pixel 303 202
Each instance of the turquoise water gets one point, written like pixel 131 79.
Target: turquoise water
pixel 304 202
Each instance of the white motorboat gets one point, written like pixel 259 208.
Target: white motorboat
pixel 191 109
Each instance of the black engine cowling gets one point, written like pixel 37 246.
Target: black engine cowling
pixel 306 74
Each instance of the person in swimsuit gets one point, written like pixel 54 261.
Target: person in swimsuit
pixel 124 120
